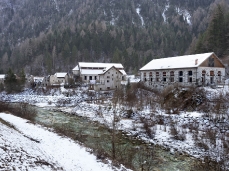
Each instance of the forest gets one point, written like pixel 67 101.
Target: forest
pixel 44 37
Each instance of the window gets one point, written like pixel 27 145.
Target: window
pixel 219 73
pixel 157 76
pixel 85 77
pixel 90 77
pixel 95 77
pixel 219 76
pixel 150 74
pixel 189 73
pixel 108 76
pixel 203 73
pixel 190 79
pixel 180 73
pixel 108 81
pixel 164 76
pixel 108 88
pixel 212 73
pixel 171 76
pixel 181 79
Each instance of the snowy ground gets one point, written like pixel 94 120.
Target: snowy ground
pixel 193 129
pixel 31 147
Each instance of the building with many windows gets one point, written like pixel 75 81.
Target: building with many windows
pixel 199 69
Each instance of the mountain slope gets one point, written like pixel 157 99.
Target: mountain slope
pixel 47 36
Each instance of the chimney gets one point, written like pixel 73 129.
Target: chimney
pixel 196 61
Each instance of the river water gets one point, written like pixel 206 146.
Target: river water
pixel 133 153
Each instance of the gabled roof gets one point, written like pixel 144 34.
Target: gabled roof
pixel 61 74
pixel 187 61
pixel 109 68
pixel 76 68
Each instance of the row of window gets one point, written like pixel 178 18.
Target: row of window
pixel 171 73
pixel 181 73
pixel 212 73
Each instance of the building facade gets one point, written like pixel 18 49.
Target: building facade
pixel 58 78
pixel 100 76
pixel 200 69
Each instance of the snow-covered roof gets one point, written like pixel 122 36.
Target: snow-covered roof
pixel 187 61
pixel 38 79
pixel 91 68
pixel 76 68
pixel 91 72
pixel 60 74
pixel 99 65
pixel 2 76
pixel 123 72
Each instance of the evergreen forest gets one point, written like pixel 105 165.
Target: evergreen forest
pixel 47 36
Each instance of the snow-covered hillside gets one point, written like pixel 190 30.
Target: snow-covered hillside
pixel 31 147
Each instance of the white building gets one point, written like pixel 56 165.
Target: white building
pixel 59 78
pixel 100 76
pixel 200 69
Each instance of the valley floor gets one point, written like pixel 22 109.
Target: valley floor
pixel 204 136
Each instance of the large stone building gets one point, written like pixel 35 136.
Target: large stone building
pixel 100 76
pixel 200 69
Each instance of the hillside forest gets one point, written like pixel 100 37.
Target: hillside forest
pixel 44 37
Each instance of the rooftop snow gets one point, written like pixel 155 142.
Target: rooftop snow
pixel 2 76
pixel 76 68
pixel 60 74
pixel 104 65
pixel 91 71
pixel 95 66
pixel 187 61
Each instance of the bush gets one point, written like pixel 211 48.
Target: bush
pixel 23 110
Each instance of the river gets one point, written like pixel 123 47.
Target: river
pixel 104 142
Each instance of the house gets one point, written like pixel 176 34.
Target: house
pixel 2 78
pixel 199 69
pixel 59 78
pixel 100 76
pixel 109 79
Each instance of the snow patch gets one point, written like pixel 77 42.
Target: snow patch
pixel 60 152
pixel 185 13
pixel 138 9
